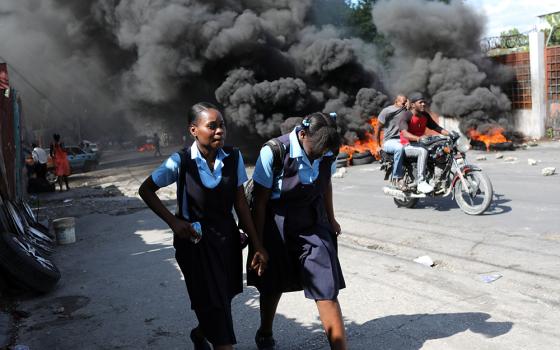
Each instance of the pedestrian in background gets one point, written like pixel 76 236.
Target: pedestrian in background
pixel 206 238
pixel 157 145
pixel 294 215
pixel 61 164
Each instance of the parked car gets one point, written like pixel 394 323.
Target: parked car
pixel 91 147
pixel 81 161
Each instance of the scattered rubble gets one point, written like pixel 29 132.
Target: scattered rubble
pixel 489 278
pixel 340 172
pixel 425 260
pixel 531 161
pixel 548 171
pixel 510 159
pixel 532 143
pixel 499 156
pixel 481 158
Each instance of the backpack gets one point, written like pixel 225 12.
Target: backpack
pixel 278 155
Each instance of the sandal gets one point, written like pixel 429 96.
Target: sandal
pixel 264 342
pixel 199 341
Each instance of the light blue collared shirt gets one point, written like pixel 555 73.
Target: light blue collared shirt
pixel 168 172
pixel 307 171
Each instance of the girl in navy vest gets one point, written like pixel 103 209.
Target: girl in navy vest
pixel 295 218
pixel 210 182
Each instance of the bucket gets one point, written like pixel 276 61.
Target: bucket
pixel 64 230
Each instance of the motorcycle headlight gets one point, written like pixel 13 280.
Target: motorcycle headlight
pixel 463 144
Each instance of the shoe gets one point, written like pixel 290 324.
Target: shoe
pixel 424 187
pixel 199 341
pixel 399 184
pixel 265 342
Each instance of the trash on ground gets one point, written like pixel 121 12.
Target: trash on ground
pixel 510 159
pixel 59 310
pixel 499 156
pixel 425 260
pixel 67 200
pixel 531 161
pixel 532 143
pixel 489 278
pixel 481 158
pixel 340 172
pixel 548 171
pixel 21 347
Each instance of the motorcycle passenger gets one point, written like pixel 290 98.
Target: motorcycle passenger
pixel 413 126
pixel 388 121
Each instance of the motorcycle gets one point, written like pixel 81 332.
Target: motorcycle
pixel 447 171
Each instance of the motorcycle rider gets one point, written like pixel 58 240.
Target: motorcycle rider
pixel 413 126
pixel 388 121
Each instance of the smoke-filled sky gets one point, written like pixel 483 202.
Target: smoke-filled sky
pixel 262 60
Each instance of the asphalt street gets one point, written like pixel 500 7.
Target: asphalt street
pixel 121 288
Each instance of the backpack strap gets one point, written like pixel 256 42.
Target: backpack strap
pixel 181 181
pixel 278 155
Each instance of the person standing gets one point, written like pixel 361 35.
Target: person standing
pixel 206 238
pixel 294 215
pixel 389 122
pixel 40 160
pixel 61 164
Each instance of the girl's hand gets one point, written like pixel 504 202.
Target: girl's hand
pixel 336 227
pixel 260 260
pixel 183 229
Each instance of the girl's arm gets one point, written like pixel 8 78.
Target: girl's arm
pixel 260 258
pixel 179 227
pixel 330 209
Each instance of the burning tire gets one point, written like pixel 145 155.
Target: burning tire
pixel 342 156
pixel 360 155
pixel 478 197
pixel 20 259
pixel 363 160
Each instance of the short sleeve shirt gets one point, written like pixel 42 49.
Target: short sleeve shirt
pixel 168 172
pixel 307 171
pixel 390 121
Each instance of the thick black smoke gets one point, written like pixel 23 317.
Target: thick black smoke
pixel 437 52
pixel 264 60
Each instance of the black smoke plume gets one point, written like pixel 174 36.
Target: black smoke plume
pixel 264 61
pixel 437 53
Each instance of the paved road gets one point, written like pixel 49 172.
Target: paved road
pixel 121 288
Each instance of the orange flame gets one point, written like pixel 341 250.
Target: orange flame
pixel 367 144
pixel 493 136
pixel 146 147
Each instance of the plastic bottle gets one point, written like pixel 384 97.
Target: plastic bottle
pixel 198 228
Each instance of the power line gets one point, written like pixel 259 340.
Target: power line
pixel 36 89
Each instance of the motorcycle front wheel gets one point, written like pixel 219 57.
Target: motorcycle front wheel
pixel 477 198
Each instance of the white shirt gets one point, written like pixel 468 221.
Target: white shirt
pixel 39 155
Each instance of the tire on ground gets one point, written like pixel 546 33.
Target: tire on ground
pixel 364 160
pixel 22 262
pixel 342 155
pixel 360 155
pixel 341 163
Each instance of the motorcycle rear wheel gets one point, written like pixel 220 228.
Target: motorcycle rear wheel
pixel 476 201
pixel 408 203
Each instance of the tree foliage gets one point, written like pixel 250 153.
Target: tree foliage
pixel 513 38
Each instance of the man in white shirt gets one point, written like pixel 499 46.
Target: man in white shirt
pixel 40 159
